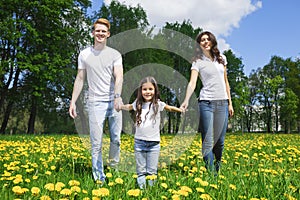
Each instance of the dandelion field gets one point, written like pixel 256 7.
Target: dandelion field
pixel 255 166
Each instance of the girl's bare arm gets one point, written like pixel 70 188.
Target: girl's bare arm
pixel 173 108
pixel 127 107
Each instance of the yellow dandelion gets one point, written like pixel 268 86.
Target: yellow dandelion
pixel 17 190
pixel 213 186
pixel 66 192
pixel 35 177
pixel 119 181
pixel 84 191
pixel 75 188
pixel 200 190
pixel 48 173
pixel 134 192
pixel 231 186
pixel 74 183
pixel 205 197
pixel 134 176
pixel 108 175
pixel 52 168
pixel 186 188
pixel 110 184
pixel 164 185
pixel 242 197
pixel 96 198
pixel 203 183
pixel 182 193
pixel 49 186
pixel 45 197
pixel 164 197
pixel 59 186
pixel 86 198
pixel 6 174
pixel 151 177
pixel 176 197
pixel 35 191
pixel 289 197
pixel 186 168
pixel 163 178
pixel 180 164
pixel 18 180
pixel 101 192
pixel 27 180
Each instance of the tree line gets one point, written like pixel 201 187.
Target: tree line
pixel 40 42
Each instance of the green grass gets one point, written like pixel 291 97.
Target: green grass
pixel 255 166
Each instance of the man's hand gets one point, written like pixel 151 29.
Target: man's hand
pixel 72 110
pixel 118 103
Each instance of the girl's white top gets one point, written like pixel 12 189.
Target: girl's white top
pixel 149 129
pixel 211 74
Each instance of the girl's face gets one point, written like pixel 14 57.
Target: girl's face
pixel 205 43
pixel 148 91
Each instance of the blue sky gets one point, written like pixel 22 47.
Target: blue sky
pixel 255 30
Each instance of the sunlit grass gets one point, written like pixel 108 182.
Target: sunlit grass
pixel 255 166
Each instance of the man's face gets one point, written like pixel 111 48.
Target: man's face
pixel 100 33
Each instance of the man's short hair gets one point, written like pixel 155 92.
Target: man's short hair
pixel 102 21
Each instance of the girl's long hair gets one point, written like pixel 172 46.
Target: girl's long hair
pixel 214 51
pixel 140 100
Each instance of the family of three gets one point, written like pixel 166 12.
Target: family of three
pixel 102 66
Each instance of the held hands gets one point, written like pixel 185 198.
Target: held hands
pixel 184 106
pixel 118 104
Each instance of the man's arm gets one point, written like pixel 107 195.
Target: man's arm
pixel 118 74
pixel 78 85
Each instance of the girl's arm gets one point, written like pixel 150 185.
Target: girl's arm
pixel 173 109
pixel 127 107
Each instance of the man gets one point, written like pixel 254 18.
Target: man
pixel 103 68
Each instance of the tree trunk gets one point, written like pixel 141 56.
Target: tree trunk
pixel 6 117
pixel 32 117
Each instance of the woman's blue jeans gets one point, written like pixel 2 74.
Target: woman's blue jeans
pixel 99 111
pixel 146 157
pixel 213 125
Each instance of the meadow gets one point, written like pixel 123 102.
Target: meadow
pixel 254 167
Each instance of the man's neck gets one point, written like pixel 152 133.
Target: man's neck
pixel 99 46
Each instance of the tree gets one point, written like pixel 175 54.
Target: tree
pixel 238 88
pixel 33 57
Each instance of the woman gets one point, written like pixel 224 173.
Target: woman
pixel 214 100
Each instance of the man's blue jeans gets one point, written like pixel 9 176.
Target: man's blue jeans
pixel 98 112
pixel 213 125
pixel 146 157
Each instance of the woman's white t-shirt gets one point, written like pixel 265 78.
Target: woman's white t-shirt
pixel 211 74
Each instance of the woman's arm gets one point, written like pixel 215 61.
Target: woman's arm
pixel 230 107
pixel 190 89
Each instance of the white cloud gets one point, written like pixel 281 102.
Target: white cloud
pixel 217 16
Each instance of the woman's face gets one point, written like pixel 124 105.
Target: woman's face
pixel 205 43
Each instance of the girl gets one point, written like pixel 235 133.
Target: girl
pixel 147 137
pixel 214 99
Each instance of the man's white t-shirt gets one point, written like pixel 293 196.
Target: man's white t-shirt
pixel 211 74
pixel 149 129
pixel 99 66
